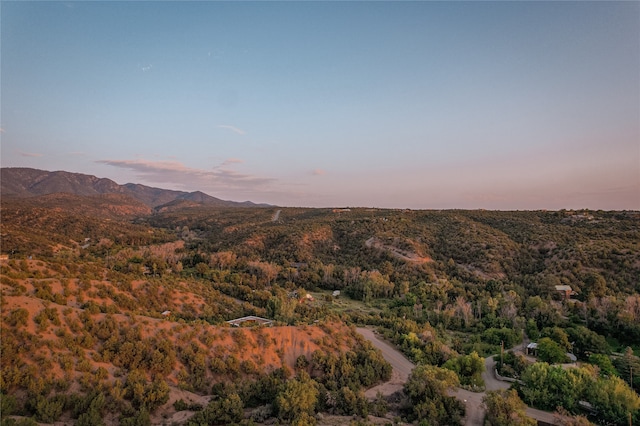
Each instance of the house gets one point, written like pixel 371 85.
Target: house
pixel 336 293
pixel 565 291
pixel 251 319
pixel 4 257
pixel 532 349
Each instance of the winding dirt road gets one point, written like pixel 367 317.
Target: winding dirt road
pixel 473 400
pixel 401 365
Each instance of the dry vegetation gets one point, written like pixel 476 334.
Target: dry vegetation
pixel 112 315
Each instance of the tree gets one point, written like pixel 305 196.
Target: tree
pixel 48 410
pixel 559 336
pixel 614 400
pixel 604 363
pixel 221 411
pixel 594 285
pixel 141 418
pixel 298 397
pixel 468 367
pixel 628 366
pixel 549 351
pixel 92 415
pixel 497 336
pixel 548 387
pixel 427 388
pixel 586 341
pixel 145 394
pixel 531 328
pixel 505 408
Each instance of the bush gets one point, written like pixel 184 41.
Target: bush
pixel 18 317
pixel 27 421
pixel 141 418
pixel 49 410
pixel 222 411
pixel 181 405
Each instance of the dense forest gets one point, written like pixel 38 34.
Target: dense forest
pixel 119 315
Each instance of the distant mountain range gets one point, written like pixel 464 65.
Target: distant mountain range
pixel 27 182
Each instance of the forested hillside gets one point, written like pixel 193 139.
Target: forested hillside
pixel 117 315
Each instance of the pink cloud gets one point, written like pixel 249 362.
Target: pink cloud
pixel 319 172
pixel 217 179
pixel 230 161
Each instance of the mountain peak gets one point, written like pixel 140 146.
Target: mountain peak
pixel 28 182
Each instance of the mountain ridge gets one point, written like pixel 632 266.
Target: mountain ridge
pixel 28 182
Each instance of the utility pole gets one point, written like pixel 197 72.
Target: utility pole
pixel 501 352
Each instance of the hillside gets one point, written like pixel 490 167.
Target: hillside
pixel 26 182
pixel 109 304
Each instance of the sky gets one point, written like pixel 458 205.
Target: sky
pixel 398 104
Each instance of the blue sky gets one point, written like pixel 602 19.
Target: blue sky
pixel 497 105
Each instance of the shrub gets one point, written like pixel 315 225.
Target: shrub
pixel 18 317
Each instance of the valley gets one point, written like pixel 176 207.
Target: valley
pixel 116 313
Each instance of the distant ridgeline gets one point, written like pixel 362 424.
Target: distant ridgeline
pixel 26 182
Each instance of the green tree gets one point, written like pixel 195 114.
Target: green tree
pixel 468 367
pixel 144 394
pixel 604 364
pixel 497 336
pixel 548 387
pixel 614 400
pixel 585 342
pixel 49 410
pixel 549 351
pixel 92 416
pixel 222 411
pixel 505 408
pixel 628 366
pixel 559 336
pixel 427 388
pixel 594 285
pixel 141 418
pixel 350 402
pixel 531 328
pixel 298 396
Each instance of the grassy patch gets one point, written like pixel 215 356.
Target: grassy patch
pixel 343 303
pixel 616 346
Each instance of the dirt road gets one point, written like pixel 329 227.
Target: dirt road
pixel 401 365
pixel 473 400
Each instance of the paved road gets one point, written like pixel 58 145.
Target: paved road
pixel 473 400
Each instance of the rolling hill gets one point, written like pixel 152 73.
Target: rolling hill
pixel 27 182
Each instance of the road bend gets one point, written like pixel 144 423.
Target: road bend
pixel 473 400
